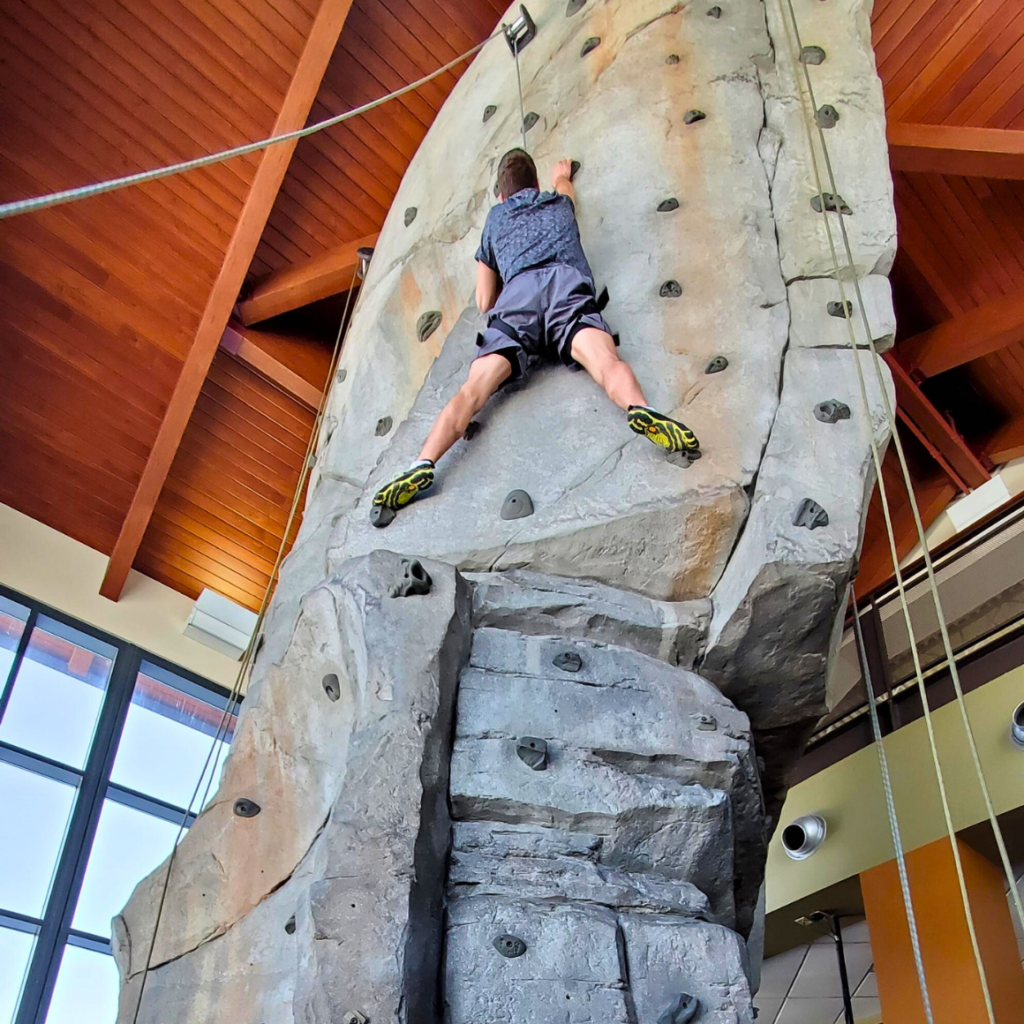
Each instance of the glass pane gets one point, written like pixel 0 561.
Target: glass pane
pixel 12 625
pixel 129 844
pixel 167 738
pixel 15 951
pixel 58 693
pixel 86 989
pixel 34 812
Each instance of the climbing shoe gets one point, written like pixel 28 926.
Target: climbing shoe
pixel 399 492
pixel 664 431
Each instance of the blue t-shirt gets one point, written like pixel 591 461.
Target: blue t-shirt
pixel 531 229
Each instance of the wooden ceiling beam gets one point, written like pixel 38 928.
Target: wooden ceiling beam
pixel 245 346
pixel 1007 443
pixel 957 149
pixel 302 283
pixel 266 182
pixel 978 332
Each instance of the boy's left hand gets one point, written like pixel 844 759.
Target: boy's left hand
pixel 562 169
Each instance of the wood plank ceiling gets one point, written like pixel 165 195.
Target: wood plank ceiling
pixel 105 298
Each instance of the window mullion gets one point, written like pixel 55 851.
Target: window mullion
pixel 19 655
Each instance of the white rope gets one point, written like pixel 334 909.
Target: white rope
pixel 795 50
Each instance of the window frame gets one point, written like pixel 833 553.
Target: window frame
pixel 53 930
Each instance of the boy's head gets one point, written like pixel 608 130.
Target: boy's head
pixel 516 171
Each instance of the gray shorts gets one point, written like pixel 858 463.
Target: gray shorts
pixel 537 315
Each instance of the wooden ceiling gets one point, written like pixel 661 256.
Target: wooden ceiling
pixel 142 411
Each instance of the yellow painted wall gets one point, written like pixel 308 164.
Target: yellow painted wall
pixel 849 794
pixel 45 564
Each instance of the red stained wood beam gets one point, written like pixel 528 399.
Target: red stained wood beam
pixel 302 283
pixel 246 347
pixel 266 183
pixel 956 149
pixel 1007 443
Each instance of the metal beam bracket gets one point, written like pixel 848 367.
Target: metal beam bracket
pixel 520 32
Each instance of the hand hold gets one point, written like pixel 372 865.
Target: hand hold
pixel 472 429
pixel 354 1017
pixel 670 290
pixel 714 12
pixel 530 120
pixel 574 169
pixel 573 7
pixel 289 925
pixel 591 44
pixel 827 116
pixel 682 1010
pixel 705 723
pixel 341 375
pixel 428 323
pixel 383 426
pixel 381 516
pixel 717 365
pixel 517 505
pixel 410 215
pixel 668 205
pixel 812 55
pixel 833 204
pixel 489 111
pixel 533 752
pixel 693 116
pixel 510 946
pixel 843 310
pixel 672 58
pixel 568 661
pixel 415 580
pixel 810 514
pixel 832 411
pixel 246 808
pixel 332 686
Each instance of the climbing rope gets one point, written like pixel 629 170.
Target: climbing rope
pixel 235 696
pixel 519 83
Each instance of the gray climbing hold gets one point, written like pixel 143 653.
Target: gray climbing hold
pixel 717 365
pixel 705 723
pixel 354 1017
pixel 843 310
pixel 810 514
pixel 489 111
pixel 568 661
pixel 668 205
pixel 574 169
pixel 341 375
pixel 383 426
pixel 382 516
pixel 832 411
pixel 410 215
pixel 471 430
pixel 591 44
pixel 670 290
pixel 833 204
pixel 533 752
pixel 530 120
pixel 714 12
pixel 414 581
pixel 289 925
pixel 510 946
pixel 428 323
pixel 517 505
pixel 812 55
pixel 332 686
pixel 693 116
pixel 574 7
pixel 827 116
pixel 246 808
pixel 672 58
pixel 682 1010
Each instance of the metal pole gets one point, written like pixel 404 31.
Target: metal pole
pixel 844 980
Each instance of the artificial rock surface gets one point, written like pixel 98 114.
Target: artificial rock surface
pixel 400 832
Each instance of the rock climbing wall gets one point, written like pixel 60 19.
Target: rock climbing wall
pixel 509 769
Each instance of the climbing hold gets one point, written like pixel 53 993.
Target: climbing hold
pixel 415 580
pixel 705 723
pixel 332 685
pixel 591 44
pixel 717 365
pixel 568 661
pixel 510 946
pixel 533 752
pixel 574 168
pixel 364 254
pixel 428 323
pixel 714 12
pixel 381 516
pixel 246 808
pixel 341 375
pixel 672 58
pixel 668 205
pixel 410 215
pixel 670 290
pixel 827 116
pixel 383 426
pixel 472 430
pixel 833 204
pixel 693 116
pixel 489 111
pixel 683 1010
pixel 354 1017
pixel 812 55
pixel 832 411
pixel 517 505
pixel 530 120
pixel 843 310
pixel 602 299
pixel 574 7
pixel 810 514
pixel 289 925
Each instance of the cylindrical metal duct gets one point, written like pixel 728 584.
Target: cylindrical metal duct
pixel 800 838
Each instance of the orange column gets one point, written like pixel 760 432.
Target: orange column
pixel 950 970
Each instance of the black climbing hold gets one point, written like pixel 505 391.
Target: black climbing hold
pixel 602 299
pixel 517 505
pixel 843 310
pixel 383 426
pixel 810 514
pixel 471 430
pixel 832 411
pixel 496 193
pixel 568 661
pixel 289 925
pixel 670 290
pixel 510 946
pixel 410 215
pixel 682 1010
pixel 382 516
pixel 827 116
pixel 717 365
pixel 530 120
pixel 672 58
pixel 812 55
pixel 533 752
pixel 714 12
pixel 591 44
pixel 705 723
pixel 574 169
pixel 833 204
pixel 354 1017
pixel 415 580
pixel 341 375
pixel 668 205
pixel 489 111
pixel 332 685
pixel 693 116
pixel 246 808
pixel 574 7
pixel 428 323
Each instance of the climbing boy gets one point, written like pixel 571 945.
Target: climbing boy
pixel 534 283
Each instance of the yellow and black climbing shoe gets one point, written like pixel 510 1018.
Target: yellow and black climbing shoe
pixel 399 492
pixel 664 431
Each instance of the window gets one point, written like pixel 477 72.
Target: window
pixel 102 750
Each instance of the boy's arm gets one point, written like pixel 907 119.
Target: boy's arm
pixel 560 180
pixel 486 287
